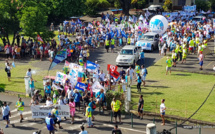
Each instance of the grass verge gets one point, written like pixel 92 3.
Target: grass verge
pixel 184 93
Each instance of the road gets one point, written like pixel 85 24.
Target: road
pixel 102 123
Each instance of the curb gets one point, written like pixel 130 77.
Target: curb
pixel 197 72
pixel 175 118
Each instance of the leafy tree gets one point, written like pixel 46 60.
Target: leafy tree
pixel 138 4
pixel 33 19
pixel 125 5
pixel 9 22
pixel 93 5
pixel 167 5
pixel 212 4
pixel 203 5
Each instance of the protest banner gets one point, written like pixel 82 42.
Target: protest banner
pixel 96 87
pixel 60 77
pixel 111 67
pixel 42 111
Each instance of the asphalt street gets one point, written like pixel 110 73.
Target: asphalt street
pixel 102 123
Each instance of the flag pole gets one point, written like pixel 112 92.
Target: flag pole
pixel 110 78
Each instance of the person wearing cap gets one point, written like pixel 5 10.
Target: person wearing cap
pixel 168 65
pixel 116 107
pixel 20 108
pixel 56 118
pixel 50 124
pixel 6 113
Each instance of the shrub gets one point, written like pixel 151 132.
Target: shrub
pixel 93 5
pixel 2 89
pixel 110 95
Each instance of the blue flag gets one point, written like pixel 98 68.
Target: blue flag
pixel 90 65
pixel 78 21
pixel 123 34
pixel 13 64
pixel 117 33
pixel 80 86
pixel 60 56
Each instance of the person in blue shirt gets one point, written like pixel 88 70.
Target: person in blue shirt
pixel 100 96
pixel 6 113
pixel 139 80
pixel 143 73
pixel 31 84
pixel 77 97
pixel 142 57
pixel 92 105
pixel 47 90
pixel 50 124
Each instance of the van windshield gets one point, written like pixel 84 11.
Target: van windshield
pixel 126 52
pixel 148 37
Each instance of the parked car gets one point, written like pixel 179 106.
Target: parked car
pixel 149 41
pixel 155 8
pixel 128 56
pixel 198 19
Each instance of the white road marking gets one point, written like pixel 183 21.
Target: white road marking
pixel 17 114
pixel 139 131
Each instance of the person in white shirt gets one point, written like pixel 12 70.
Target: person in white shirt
pixel 28 73
pixel 102 77
pixel 49 102
pixel 162 111
pixel 6 113
pixel 82 130
pixel 131 73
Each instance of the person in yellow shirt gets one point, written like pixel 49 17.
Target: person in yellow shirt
pixel 168 65
pixel 20 108
pixel 116 107
pixel 184 57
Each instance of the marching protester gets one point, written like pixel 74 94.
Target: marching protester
pixel 6 113
pixel 168 65
pixel 77 97
pixel 20 108
pixel 50 124
pixel 56 117
pixel 92 105
pixel 116 109
pixel 72 109
pixel 89 116
pixel 100 96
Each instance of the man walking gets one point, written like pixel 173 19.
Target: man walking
pixel 116 107
pixel 6 113
pixel 20 108
pixel 142 58
pixel 201 56
pixel 50 124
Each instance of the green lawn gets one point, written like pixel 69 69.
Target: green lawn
pixel 184 93
pixel 17 77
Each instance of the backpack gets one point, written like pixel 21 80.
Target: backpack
pixel 6 69
pixel 94 106
pixel 146 71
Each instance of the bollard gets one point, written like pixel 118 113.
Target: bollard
pixel 111 116
pixel 154 120
pixel 176 127
pixel 200 130
pixel 131 120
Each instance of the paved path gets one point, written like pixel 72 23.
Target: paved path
pixel 102 123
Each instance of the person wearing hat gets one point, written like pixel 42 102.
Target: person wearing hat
pixel 20 108
pixel 168 65
pixel 50 124
pixel 56 118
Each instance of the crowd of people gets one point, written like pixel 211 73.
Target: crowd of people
pixel 183 37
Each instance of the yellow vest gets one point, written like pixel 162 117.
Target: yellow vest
pixel 197 40
pixel 107 43
pixel 129 40
pixel 184 52
pixel 81 62
pixel 177 48
pixel 169 63
pixel 20 107
pixel 192 43
pixel 90 113
pixel 137 69
pixel 116 105
pixel 173 56
pixel 180 49
pixel 112 41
